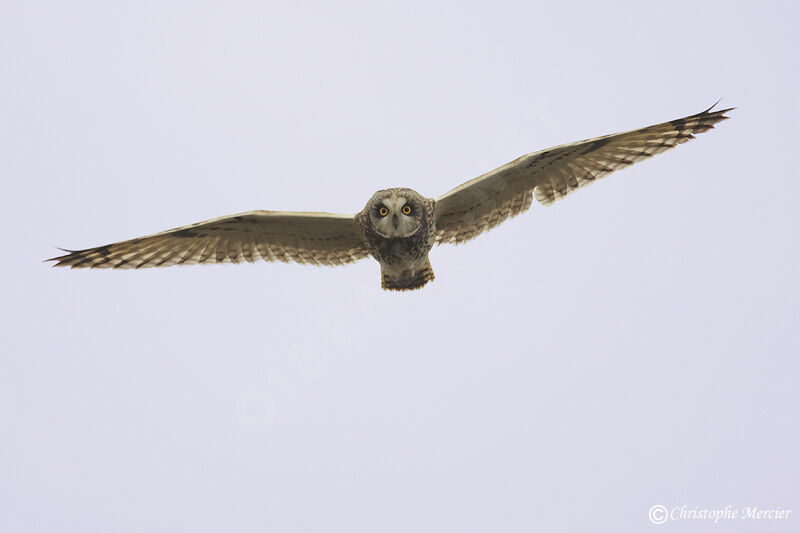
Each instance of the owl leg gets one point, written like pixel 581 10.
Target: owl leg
pixel 410 281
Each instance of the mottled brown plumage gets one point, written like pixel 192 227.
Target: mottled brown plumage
pixel 398 227
pixel 403 256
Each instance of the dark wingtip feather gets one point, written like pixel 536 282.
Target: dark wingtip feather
pixel 718 113
pixel 708 118
pixel 712 106
pixel 58 258
pixel 66 259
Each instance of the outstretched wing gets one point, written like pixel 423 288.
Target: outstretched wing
pixel 486 201
pixel 316 238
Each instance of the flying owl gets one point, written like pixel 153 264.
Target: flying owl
pixel 398 227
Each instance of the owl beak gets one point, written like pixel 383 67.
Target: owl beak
pixel 394 221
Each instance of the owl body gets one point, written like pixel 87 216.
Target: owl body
pixel 399 231
pixel 398 227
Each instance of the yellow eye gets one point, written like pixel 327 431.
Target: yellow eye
pixel 406 209
pixel 383 211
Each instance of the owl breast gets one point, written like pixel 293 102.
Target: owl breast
pixel 401 257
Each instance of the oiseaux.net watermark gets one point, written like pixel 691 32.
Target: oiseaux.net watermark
pixel 660 514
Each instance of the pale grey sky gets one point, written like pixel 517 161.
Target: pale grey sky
pixel 635 344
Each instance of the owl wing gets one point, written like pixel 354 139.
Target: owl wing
pixel 484 202
pixel 316 238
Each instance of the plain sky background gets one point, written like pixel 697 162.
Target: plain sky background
pixel 635 344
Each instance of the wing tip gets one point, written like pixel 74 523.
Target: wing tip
pixel 719 112
pixel 60 260
pixel 72 259
pixel 702 121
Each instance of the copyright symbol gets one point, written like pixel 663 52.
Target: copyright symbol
pixel 658 514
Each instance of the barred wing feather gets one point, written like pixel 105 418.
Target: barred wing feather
pixel 315 238
pixel 549 175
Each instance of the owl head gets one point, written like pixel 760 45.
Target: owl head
pixel 396 212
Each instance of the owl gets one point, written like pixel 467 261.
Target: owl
pixel 398 227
